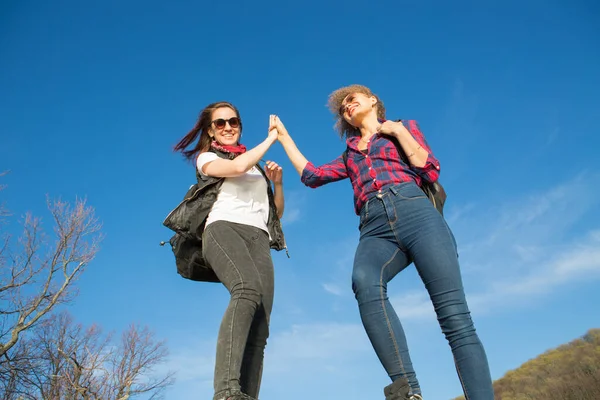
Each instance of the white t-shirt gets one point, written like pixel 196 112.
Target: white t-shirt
pixel 242 199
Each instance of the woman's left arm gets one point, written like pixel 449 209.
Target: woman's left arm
pixel 275 175
pixel 415 147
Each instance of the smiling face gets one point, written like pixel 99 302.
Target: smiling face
pixel 347 125
pixel 356 106
pixel 226 135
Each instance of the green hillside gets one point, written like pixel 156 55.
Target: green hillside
pixel 568 372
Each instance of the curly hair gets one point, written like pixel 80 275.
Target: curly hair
pixel 201 129
pixel 335 100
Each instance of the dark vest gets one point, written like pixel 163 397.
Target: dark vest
pixel 188 219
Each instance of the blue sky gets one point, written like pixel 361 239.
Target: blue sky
pixel 94 96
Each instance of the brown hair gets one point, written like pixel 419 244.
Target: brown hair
pixel 201 129
pixel 335 100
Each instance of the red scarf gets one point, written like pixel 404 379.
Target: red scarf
pixel 235 150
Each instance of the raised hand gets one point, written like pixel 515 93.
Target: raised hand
pixel 391 128
pixel 281 130
pixel 274 172
pixel 273 134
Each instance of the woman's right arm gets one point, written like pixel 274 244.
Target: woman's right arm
pixel 309 174
pixel 223 168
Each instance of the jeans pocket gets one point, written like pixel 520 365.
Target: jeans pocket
pixel 409 192
pixel 364 214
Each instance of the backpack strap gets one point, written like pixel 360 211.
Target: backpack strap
pixel 434 191
pixel 399 148
pixel 345 157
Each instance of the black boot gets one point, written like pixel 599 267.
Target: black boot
pixel 241 396
pixel 235 396
pixel 398 390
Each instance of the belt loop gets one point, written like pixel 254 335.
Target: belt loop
pixel 366 207
pixel 394 190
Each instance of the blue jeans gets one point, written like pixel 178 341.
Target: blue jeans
pixel 397 227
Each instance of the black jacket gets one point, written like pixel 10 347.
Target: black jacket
pixel 188 219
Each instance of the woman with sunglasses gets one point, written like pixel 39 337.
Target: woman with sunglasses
pixel 398 225
pixel 242 224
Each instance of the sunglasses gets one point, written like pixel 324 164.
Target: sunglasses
pixel 348 99
pixel 220 123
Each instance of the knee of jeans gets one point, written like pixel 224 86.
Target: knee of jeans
pixel 366 286
pixel 245 291
pixel 458 326
pixel 258 341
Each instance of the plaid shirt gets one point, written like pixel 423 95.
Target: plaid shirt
pixel 371 172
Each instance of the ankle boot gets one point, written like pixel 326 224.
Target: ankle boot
pixel 398 390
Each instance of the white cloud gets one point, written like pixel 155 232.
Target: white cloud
pixel 192 362
pixel 457 212
pixel 315 346
pixel 333 289
pixel 305 350
pixel 321 360
pixel 413 305
pixel 341 259
pixel 528 248
pixel 294 202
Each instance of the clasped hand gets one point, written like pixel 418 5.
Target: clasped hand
pixel 276 127
pixel 273 171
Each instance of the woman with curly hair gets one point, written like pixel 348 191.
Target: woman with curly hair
pixel 387 162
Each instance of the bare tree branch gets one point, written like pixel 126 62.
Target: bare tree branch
pixel 139 353
pixel 25 298
pixel 68 361
pixel 47 355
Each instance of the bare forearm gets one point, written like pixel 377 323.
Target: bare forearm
pixel 245 161
pixel 417 155
pixel 279 199
pixel 297 159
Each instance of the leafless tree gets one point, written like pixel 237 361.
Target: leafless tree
pixel 44 355
pixel 137 356
pixel 40 274
pixel 72 362
pixel 69 359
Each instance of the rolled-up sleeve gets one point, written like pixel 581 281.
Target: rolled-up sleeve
pixel 331 172
pixel 431 170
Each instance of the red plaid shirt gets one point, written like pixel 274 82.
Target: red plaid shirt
pixel 371 172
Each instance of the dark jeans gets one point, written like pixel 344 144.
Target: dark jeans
pixel 240 256
pixel 397 227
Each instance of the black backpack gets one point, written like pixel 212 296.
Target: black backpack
pixel 434 191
